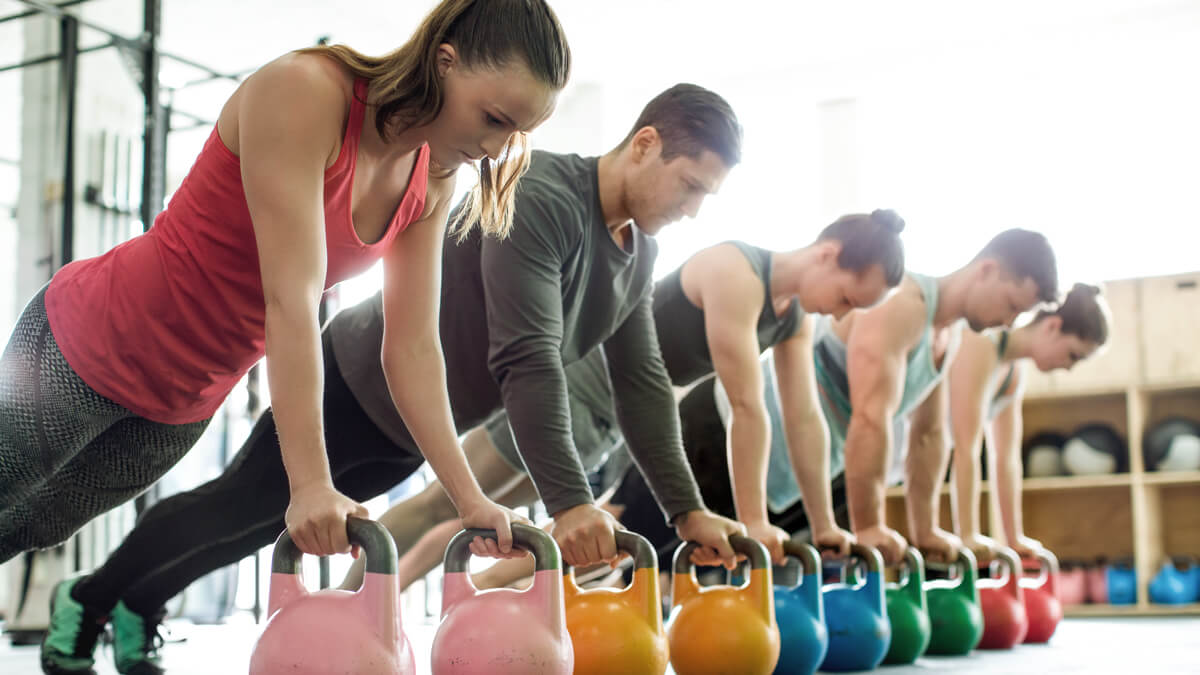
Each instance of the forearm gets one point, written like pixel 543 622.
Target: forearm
pixel 925 466
pixel 416 377
pixel 534 392
pixel 808 448
pixel 296 381
pixel 748 443
pixel 967 479
pixel 868 447
pixel 1008 484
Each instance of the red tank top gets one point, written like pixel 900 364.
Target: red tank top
pixel 166 323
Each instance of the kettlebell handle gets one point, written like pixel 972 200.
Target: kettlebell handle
pixel 1008 559
pixel 1047 567
pixel 634 544
pixel 527 537
pixel 810 560
pixel 755 553
pixel 379 546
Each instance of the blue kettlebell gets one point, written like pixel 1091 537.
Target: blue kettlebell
pixel 1122 583
pixel 1174 584
pixel 800 613
pixel 856 616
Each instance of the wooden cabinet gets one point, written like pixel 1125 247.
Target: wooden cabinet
pixel 1171 328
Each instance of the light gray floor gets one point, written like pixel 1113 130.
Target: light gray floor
pixel 1143 646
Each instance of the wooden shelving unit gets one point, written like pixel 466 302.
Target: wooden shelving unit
pixel 1149 370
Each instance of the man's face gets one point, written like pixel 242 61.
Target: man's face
pixel 996 297
pixel 659 192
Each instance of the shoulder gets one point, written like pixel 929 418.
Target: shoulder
pixel 317 80
pixel 724 265
pixel 903 313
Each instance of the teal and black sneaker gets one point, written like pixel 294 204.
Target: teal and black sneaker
pixel 136 641
pixel 71 638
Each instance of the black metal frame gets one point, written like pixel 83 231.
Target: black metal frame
pixel 146 58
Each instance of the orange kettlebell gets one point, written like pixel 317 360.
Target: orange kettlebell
pixel 619 630
pixel 723 630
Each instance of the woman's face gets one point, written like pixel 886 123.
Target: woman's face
pixel 482 107
pixel 1053 349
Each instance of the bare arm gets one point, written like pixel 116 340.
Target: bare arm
pixel 1008 470
pixel 876 355
pixel 969 378
pixel 924 468
pixel 807 435
pixel 283 160
pixel 415 367
pixel 731 296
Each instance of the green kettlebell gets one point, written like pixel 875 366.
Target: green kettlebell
pixel 954 613
pixel 908 611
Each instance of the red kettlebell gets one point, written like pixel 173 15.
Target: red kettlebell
pixel 335 631
pixel 1041 599
pixel 502 631
pixel 619 630
pixel 1003 603
pixel 723 629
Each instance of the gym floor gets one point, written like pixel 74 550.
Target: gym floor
pixel 1158 646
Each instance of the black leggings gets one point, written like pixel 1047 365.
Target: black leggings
pixel 704 441
pixel 188 535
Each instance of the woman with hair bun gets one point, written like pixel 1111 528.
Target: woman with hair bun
pixel 987 386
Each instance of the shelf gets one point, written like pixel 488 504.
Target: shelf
pixel 1074 482
pixel 1053 396
pixel 1067 482
pixel 1075 611
pixel 1171 477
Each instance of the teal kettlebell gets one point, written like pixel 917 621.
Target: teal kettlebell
pixel 856 617
pixel 908 611
pixel 800 613
pixel 954 613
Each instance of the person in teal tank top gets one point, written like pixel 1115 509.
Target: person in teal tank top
pixel 987 386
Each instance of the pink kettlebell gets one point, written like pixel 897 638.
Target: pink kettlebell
pixel 335 631
pixel 502 631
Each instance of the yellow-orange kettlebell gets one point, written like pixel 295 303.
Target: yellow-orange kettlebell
pixel 723 630
pixel 619 630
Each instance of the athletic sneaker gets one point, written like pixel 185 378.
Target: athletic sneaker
pixel 136 641
pixel 71 638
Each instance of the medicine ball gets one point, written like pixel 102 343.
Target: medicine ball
pixel 1043 454
pixel 1172 445
pixel 1095 449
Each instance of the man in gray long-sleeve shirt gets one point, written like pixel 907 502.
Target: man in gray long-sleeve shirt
pixel 576 273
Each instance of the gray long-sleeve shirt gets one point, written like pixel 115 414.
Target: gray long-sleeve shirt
pixel 513 312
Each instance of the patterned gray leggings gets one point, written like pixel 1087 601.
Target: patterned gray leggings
pixel 67 454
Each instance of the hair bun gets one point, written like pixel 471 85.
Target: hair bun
pixel 889 219
pixel 1086 288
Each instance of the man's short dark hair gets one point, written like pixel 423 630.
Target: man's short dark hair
pixel 1026 255
pixel 691 119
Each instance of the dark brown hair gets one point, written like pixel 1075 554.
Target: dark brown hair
pixel 1084 314
pixel 406 89
pixel 1026 255
pixel 691 119
pixel 869 239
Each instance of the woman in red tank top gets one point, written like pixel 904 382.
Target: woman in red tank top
pixel 321 162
